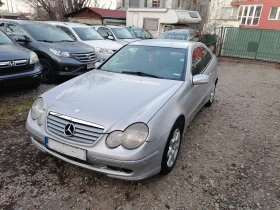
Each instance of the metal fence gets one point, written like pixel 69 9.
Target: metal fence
pixel 257 44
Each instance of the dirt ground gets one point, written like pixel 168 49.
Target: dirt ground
pixel 229 159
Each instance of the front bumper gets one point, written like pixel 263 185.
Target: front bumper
pixel 137 164
pixel 23 79
pixel 70 66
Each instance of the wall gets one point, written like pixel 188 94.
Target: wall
pixel 85 20
pixel 214 16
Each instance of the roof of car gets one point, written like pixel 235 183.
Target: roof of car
pixel 70 24
pixel 22 22
pixel 183 44
pixel 132 27
pixel 107 26
pixel 179 31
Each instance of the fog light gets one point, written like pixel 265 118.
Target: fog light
pixel 66 69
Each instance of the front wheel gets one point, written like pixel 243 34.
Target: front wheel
pixel 47 75
pixel 172 148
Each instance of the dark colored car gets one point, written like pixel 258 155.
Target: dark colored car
pixel 18 66
pixel 140 32
pixel 183 34
pixel 58 53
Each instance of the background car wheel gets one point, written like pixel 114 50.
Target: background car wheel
pixel 172 148
pixel 212 97
pixel 47 75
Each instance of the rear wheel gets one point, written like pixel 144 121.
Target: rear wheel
pixel 47 75
pixel 212 96
pixel 172 148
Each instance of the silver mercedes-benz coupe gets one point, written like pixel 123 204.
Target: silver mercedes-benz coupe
pixel 127 117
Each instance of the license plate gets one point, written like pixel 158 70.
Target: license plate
pixel 90 65
pixel 66 149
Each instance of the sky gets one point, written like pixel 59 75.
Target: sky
pixel 18 6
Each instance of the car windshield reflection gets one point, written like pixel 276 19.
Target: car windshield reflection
pixel 147 61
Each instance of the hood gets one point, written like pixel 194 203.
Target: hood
pixel 104 44
pixel 127 41
pixel 13 52
pixel 114 100
pixel 72 47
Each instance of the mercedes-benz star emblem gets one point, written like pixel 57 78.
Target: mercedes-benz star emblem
pixel 69 130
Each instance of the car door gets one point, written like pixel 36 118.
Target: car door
pixel 14 30
pixel 197 92
pixel 68 32
pixel 105 32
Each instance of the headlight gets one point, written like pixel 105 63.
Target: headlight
pixel 103 50
pixel 60 53
pixel 33 58
pixel 133 136
pixel 37 111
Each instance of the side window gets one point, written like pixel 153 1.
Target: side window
pixel 206 55
pixel 194 36
pixel 14 30
pixel 197 62
pixel 105 32
pixel 147 34
pixel 2 26
pixel 67 31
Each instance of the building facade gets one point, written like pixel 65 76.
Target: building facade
pixel 259 14
pixel 262 14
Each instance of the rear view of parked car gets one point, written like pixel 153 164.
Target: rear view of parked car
pixel 58 53
pixel 116 33
pixel 18 66
pixel 87 35
pixel 140 32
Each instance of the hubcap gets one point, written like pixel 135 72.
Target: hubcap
pixel 173 147
pixel 212 95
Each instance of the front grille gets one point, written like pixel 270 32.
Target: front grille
pixel 86 57
pixel 13 67
pixel 85 132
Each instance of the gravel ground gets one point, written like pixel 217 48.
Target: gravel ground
pixel 229 158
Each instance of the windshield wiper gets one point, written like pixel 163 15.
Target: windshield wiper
pixel 139 73
pixel 46 41
pixel 66 41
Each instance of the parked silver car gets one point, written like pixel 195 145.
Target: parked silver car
pixel 116 33
pixel 127 118
pixel 87 35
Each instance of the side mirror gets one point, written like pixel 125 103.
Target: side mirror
pixel 110 37
pixel 201 79
pixel 21 38
pixel 97 64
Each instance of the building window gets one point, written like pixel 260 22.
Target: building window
pixel 250 15
pixel 156 3
pixel 229 13
pixel 178 3
pixel 274 13
pixel 150 24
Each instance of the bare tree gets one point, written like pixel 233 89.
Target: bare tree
pixel 1 3
pixel 56 9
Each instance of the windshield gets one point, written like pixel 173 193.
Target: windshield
pixel 47 33
pixel 88 34
pixel 163 62
pixel 5 39
pixel 174 36
pixel 122 33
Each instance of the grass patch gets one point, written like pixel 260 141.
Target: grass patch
pixel 14 113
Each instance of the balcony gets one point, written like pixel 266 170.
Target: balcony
pixel 245 2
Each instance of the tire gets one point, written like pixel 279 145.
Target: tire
pixel 35 85
pixel 47 75
pixel 168 159
pixel 212 97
